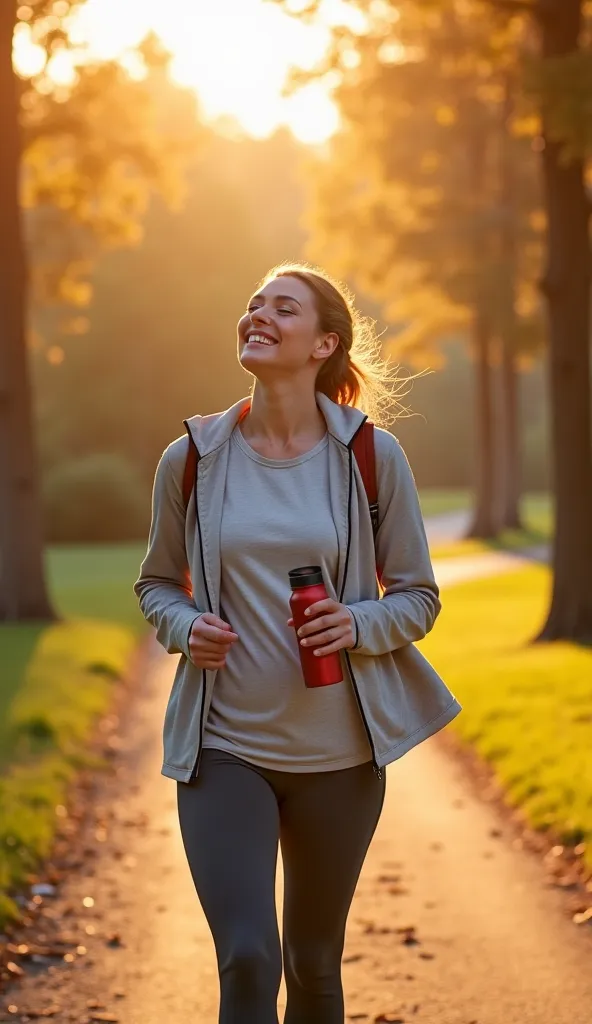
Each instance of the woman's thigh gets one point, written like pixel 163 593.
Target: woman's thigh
pixel 230 828
pixel 327 824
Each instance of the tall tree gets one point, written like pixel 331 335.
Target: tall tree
pixel 560 80
pixel 23 593
pixel 566 100
pixel 85 157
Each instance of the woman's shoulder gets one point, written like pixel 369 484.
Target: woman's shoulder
pixel 392 464
pixel 175 455
pixel 387 446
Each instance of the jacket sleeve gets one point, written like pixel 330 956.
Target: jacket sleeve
pixel 164 586
pixel 410 602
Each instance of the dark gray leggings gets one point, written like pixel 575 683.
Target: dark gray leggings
pixel 232 817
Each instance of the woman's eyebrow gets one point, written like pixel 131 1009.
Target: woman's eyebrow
pixel 283 298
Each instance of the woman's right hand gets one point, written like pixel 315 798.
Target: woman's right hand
pixel 210 641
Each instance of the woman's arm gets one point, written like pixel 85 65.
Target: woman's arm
pixel 410 603
pixel 164 585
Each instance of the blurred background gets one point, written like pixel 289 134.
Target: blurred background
pixel 157 160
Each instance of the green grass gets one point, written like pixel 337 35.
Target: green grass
pixel 527 708
pixel 538 528
pixel 435 502
pixel 54 681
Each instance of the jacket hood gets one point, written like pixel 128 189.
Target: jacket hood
pixel 210 432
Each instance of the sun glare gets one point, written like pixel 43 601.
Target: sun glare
pixel 234 53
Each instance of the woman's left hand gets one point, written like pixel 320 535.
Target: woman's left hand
pixel 331 629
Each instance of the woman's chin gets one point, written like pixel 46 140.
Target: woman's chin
pixel 252 357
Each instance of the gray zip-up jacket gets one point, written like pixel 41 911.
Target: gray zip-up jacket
pixel 402 700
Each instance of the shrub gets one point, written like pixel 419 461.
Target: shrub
pixel 100 497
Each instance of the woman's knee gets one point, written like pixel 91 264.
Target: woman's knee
pixel 315 969
pixel 253 962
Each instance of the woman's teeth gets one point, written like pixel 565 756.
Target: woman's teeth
pixel 260 339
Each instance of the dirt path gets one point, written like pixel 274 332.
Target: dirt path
pixel 452 923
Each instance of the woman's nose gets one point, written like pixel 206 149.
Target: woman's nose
pixel 259 316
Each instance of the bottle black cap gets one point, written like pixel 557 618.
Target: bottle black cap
pixel 306 576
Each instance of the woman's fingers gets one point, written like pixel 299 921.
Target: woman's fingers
pixel 214 630
pixel 328 636
pixel 339 645
pixel 323 622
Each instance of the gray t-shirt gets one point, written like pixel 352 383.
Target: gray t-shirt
pixel 276 517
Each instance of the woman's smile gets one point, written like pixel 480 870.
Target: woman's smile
pixel 260 338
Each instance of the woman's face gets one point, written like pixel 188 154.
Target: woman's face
pixel 280 332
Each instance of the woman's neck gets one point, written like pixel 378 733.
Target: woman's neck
pixel 283 416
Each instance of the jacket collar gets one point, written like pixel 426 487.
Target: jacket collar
pixel 210 432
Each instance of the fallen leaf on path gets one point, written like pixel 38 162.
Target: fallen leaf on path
pixel 372 929
pixel 427 956
pixel 105 1017
pixel 388 1018
pixel 410 938
pixel 114 940
pixel 353 958
pixel 48 1011
pixel 94 1004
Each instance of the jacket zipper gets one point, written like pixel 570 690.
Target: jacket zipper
pixel 203 570
pixel 375 766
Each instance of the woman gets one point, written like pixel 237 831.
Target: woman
pixel 257 756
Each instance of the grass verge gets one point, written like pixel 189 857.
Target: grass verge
pixel 527 708
pixel 438 501
pixel 55 681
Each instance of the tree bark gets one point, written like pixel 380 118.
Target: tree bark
pixel 23 593
pixel 567 288
pixel 485 522
pixel 510 474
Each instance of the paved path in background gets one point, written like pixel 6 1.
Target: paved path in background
pixel 452 922
pixel 450 527
pixel 447 527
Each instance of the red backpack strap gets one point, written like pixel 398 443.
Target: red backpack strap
pixel 189 472
pixel 363 449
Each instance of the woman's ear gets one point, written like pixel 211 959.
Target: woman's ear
pixel 326 346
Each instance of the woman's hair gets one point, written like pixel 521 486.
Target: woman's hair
pixel 356 372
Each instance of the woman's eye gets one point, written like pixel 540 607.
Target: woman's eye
pixel 285 310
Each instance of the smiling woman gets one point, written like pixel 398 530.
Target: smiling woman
pixel 235 53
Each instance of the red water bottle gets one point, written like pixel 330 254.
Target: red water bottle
pixel 308 588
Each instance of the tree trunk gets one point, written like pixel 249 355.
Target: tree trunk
pixel 23 593
pixel 511 471
pixel 510 474
pixel 485 523
pixel 567 288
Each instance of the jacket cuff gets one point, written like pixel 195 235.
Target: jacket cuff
pixel 356 630
pixel 186 644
